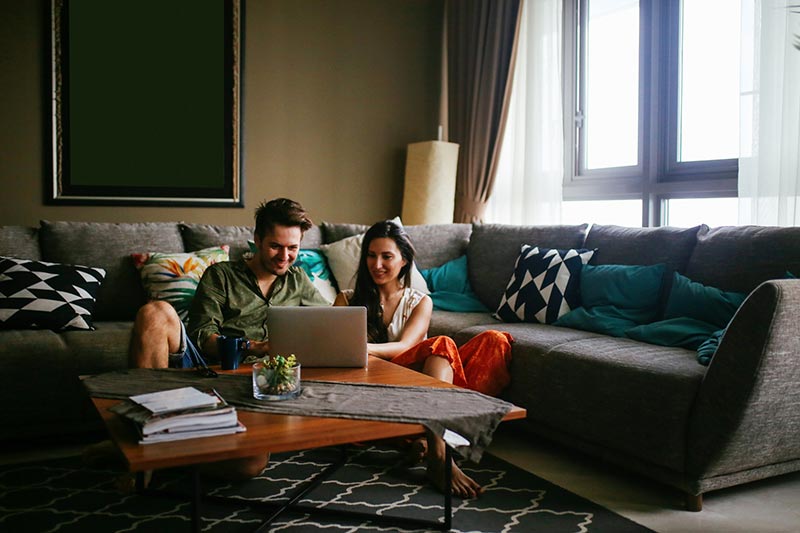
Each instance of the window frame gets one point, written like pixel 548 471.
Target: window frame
pixel 658 175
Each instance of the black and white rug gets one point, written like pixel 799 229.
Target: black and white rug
pixel 64 497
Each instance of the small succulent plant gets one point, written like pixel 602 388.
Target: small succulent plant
pixel 277 376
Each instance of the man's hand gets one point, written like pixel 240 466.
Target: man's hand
pixel 258 348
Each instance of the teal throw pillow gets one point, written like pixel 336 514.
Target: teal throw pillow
pixel 316 267
pixel 615 298
pixel 691 299
pixel 449 287
pixel 684 332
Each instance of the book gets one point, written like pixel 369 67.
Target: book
pixel 179 414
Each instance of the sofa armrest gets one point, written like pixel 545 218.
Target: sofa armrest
pixel 747 411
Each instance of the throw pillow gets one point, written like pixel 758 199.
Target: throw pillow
pixel 343 256
pixel 47 295
pixel 316 268
pixel 695 318
pixel 691 299
pixel 615 298
pixel 174 277
pixel 544 285
pixel 449 287
pixel 685 332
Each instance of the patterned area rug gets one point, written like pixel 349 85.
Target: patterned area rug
pixel 62 496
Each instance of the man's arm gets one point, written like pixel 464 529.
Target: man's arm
pixel 206 312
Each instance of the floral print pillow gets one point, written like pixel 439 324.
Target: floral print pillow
pixel 173 277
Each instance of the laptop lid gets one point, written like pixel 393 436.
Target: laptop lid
pixel 319 336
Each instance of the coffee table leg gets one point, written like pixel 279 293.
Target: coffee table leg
pixel 448 488
pixel 197 496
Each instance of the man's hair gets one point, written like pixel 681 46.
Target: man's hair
pixel 281 212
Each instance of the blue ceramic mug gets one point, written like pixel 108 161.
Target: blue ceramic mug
pixel 230 351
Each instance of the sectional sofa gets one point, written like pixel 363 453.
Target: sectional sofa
pixel 649 408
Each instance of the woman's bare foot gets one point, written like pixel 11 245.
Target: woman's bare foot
pixel 461 484
pixel 417 451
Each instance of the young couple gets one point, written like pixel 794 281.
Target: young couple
pixel 233 297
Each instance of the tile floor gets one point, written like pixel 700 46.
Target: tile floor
pixel 768 506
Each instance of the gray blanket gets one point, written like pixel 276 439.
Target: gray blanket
pixel 471 414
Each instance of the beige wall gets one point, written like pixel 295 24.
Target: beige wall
pixel 333 92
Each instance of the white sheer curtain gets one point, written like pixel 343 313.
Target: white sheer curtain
pixel 527 189
pixel 769 165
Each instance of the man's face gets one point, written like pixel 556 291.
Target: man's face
pixel 278 248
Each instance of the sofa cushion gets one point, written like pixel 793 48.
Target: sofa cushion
pixel 615 393
pixel 19 241
pixel 199 236
pixel 47 295
pixel 450 322
pixel 109 246
pixel 617 245
pixel 174 277
pixel 615 298
pixel 544 285
pixel 493 250
pixel 102 350
pixel 739 258
pixel 335 231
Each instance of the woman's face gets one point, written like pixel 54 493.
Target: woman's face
pixel 384 260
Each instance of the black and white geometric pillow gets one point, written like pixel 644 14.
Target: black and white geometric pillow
pixel 544 285
pixel 47 295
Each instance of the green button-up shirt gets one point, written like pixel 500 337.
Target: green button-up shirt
pixel 229 301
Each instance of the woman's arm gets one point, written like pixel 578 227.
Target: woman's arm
pixel 414 332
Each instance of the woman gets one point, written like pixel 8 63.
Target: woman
pixel 397 323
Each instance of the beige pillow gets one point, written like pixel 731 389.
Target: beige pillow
pixel 343 256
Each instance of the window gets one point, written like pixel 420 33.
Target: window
pixel 617 212
pixel 653 89
pixel 688 212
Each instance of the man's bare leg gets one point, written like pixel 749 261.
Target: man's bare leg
pixel 156 334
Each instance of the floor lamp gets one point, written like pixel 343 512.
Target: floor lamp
pixel 430 183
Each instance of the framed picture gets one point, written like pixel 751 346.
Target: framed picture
pixel 146 103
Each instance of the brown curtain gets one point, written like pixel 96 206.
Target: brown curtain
pixel 481 44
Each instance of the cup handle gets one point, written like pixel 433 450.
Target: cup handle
pixel 245 345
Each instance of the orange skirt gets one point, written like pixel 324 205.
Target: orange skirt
pixel 481 364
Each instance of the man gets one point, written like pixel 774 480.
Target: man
pixel 232 299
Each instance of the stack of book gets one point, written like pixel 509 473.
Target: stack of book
pixel 177 414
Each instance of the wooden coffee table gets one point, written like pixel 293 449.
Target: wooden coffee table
pixel 276 433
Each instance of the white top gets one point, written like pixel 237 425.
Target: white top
pixel 411 297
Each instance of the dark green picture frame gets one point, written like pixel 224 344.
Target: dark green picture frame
pixel 146 103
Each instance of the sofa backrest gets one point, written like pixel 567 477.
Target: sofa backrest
pixel 109 246
pixel 199 236
pixel 21 242
pixel 435 244
pixel 739 258
pixel 494 248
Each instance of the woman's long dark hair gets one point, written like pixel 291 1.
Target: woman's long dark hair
pixel 366 292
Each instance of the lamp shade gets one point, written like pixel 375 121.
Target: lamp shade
pixel 430 183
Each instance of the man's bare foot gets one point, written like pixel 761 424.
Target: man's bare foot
pixel 461 484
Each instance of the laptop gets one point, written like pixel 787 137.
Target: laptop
pixel 319 336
